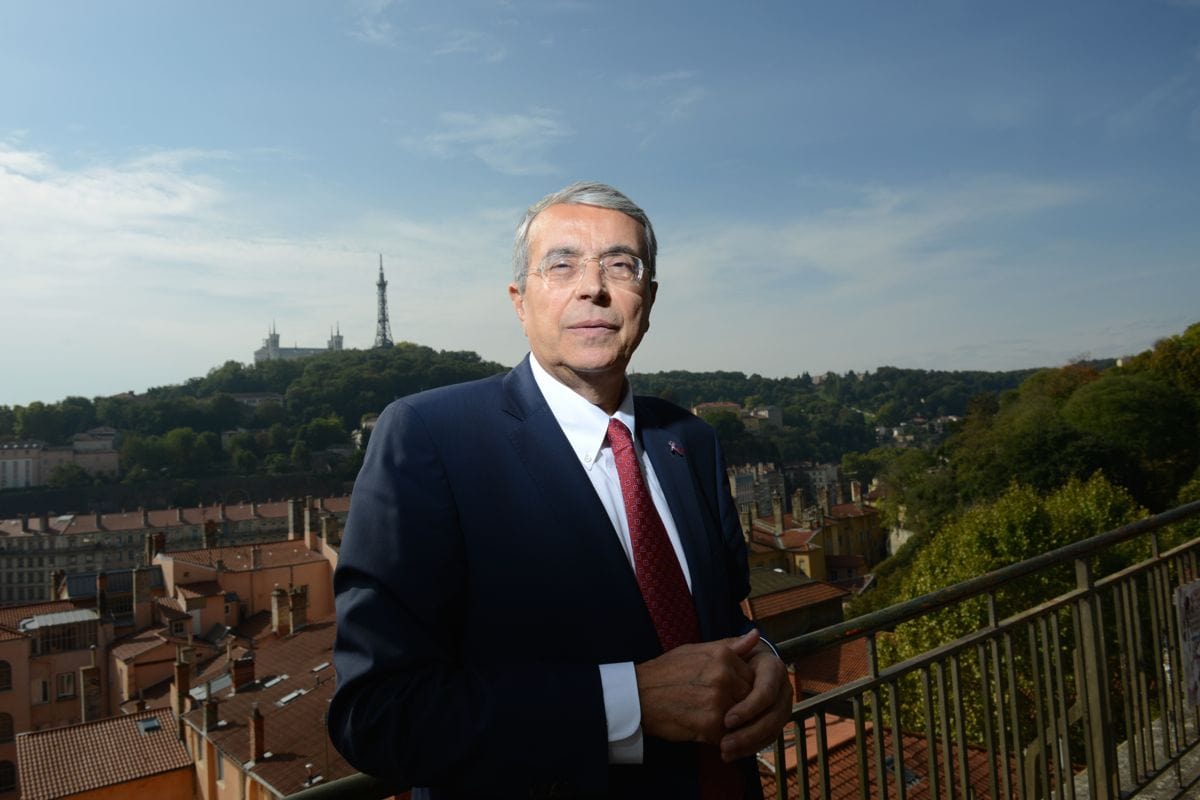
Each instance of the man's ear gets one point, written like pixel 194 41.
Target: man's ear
pixel 518 302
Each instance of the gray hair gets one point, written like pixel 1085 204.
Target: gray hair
pixel 583 193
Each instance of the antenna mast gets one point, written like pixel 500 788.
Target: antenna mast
pixel 383 329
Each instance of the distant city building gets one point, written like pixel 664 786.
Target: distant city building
pixel 271 351
pixel 34 549
pixel 194 644
pixel 29 463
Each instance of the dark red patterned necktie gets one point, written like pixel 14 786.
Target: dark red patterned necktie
pixel 659 575
pixel 665 592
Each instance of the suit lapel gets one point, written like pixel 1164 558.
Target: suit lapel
pixel 554 468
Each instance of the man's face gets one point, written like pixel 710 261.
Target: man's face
pixel 587 332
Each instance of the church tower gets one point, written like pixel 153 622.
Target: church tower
pixel 383 329
pixel 335 339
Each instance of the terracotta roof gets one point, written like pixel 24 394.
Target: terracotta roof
pixel 294 731
pixel 271 554
pixel 810 594
pixel 768 581
pixel 200 589
pixel 139 643
pixel 117 751
pixel 852 510
pixel 791 538
pixel 171 609
pixel 831 667
pixel 7 634
pixel 11 615
pixel 842 759
pixel 162 518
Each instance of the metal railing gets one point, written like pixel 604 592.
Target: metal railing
pixel 1080 695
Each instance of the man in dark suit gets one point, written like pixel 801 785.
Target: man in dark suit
pixel 538 586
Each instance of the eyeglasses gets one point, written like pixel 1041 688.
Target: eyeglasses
pixel 560 270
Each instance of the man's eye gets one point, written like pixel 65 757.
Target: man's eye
pixel 560 267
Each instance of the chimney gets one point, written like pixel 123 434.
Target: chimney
pixel 856 495
pixel 258 745
pixel 98 521
pixel 211 711
pixel 154 545
pixel 182 685
pixel 279 614
pixel 179 515
pixel 91 698
pixel 243 671
pixel 141 597
pixel 45 521
pixel 777 512
pixel 295 509
pixel 24 523
pixel 253 509
pixel 102 594
pixel 298 608
pixel 329 530
pixel 58 584
pixel 747 522
pixel 221 515
pixel 823 500
pixel 145 517
pixel 797 503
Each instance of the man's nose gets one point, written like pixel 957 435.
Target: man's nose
pixel 591 282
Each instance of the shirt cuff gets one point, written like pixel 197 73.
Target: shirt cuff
pixel 622 712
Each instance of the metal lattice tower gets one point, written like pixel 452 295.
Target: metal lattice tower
pixel 383 329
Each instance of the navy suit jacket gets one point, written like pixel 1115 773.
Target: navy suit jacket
pixel 480 583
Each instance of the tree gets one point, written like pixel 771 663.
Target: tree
pixel 65 476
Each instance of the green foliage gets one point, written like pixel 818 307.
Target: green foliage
pixel 1020 524
pixel 65 476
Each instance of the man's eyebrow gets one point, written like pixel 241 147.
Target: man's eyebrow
pixel 561 251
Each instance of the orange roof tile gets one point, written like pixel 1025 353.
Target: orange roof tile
pixel 271 554
pixel 810 594
pixel 294 732
pixel 11 615
pixel 831 667
pixel 117 751
pixel 199 589
pixel 843 763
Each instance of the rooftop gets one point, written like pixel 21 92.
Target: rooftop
pixel 294 682
pixel 120 749
pixel 270 554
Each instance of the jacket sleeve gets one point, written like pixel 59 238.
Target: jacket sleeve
pixel 409 707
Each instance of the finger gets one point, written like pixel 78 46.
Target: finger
pixel 770 677
pixel 744 645
pixel 760 732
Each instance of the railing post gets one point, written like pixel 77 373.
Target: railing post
pixel 1102 773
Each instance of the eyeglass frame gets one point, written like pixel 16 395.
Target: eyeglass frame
pixel 636 281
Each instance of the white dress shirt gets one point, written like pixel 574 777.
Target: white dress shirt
pixel 586 428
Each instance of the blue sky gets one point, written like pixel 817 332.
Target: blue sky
pixel 836 186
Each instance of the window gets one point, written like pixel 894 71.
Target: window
pixel 65 684
pixel 6 727
pixel 5 675
pixel 39 691
pixel 8 776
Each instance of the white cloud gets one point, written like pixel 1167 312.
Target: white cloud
pixel 129 274
pixel 513 144
pixel 371 24
pixel 469 42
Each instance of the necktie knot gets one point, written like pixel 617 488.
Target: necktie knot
pixel 619 437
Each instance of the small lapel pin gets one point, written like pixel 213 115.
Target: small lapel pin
pixel 676 449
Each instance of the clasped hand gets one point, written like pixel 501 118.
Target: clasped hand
pixel 732 693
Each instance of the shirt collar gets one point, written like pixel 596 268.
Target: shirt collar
pixel 584 424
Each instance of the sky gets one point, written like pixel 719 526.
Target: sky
pixel 835 186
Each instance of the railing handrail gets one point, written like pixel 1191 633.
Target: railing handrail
pixel 887 618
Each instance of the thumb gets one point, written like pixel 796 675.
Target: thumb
pixel 742 646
